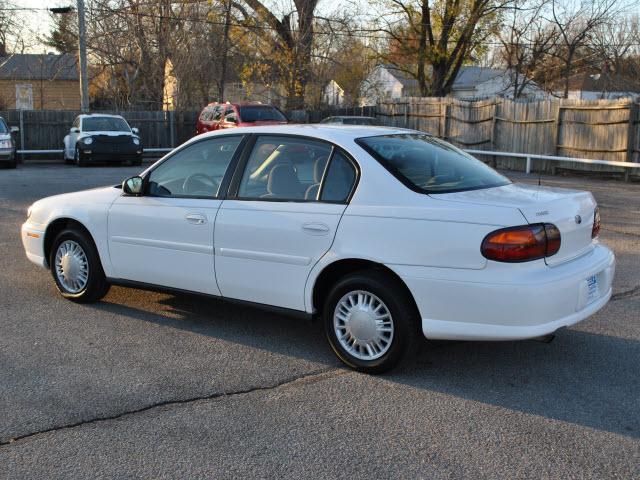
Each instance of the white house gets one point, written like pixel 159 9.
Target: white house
pixel 333 94
pixel 386 82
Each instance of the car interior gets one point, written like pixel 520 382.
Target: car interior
pixel 278 169
pixel 197 170
pixel 285 169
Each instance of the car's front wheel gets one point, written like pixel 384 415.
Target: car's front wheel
pixel 76 268
pixel 370 321
pixel 78 158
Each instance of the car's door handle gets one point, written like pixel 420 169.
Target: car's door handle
pixel 196 218
pixel 316 228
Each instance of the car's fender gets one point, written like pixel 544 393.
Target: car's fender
pixel 90 208
pixel 65 143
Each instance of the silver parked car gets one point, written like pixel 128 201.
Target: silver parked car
pixel 8 157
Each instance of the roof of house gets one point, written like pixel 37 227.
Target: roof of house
pixel 468 76
pixel 602 82
pixel 39 67
pixel 471 76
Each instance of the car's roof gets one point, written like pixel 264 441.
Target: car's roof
pixel 93 115
pixel 241 104
pixel 324 131
pixel 351 116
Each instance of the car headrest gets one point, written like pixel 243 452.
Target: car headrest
pixel 283 181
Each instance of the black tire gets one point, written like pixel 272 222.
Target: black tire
pixel 137 162
pixel 96 285
pixel 79 161
pixel 404 315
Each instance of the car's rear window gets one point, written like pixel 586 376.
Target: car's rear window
pixel 429 165
pixel 256 113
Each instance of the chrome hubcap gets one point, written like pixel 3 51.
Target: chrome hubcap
pixel 72 266
pixel 363 325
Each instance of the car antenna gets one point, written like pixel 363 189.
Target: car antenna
pixel 539 176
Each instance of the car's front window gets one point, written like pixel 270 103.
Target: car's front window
pixel 261 114
pixel 196 170
pixel 430 165
pixel 3 127
pixel 105 124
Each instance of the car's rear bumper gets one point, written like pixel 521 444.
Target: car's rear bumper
pixel 33 241
pixel 536 303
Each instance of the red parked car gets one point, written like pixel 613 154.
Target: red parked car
pixel 230 115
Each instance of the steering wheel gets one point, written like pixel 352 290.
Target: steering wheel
pixel 200 184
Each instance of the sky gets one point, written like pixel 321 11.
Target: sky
pixel 38 23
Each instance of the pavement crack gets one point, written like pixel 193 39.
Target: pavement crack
pixel 626 294
pixel 316 375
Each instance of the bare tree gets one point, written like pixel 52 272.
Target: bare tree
pixel 617 48
pixel 526 42
pixel 433 40
pixel 576 22
pixel 293 33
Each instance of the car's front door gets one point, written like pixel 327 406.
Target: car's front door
pixel 165 237
pixel 282 215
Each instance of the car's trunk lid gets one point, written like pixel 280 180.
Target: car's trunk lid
pixel 569 210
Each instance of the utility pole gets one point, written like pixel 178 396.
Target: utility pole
pixel 82 50
pixel 225 48
pixel 82 47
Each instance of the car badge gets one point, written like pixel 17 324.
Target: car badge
pixel 578 219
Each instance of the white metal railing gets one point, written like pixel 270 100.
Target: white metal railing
pixel 59 152
pixel 529 157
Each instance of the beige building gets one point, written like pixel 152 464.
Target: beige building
pixel 39 82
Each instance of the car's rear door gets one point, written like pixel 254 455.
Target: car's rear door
pixel 165 237
pixel 284 207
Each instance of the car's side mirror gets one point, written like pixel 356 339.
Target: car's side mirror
pixel 15 129
pixel 135 131
pixel 132 186
pixel 74 130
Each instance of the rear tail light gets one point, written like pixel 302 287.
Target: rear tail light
pixel 522 244
pixel 595 231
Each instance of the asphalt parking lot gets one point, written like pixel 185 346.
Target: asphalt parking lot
pixel 150 385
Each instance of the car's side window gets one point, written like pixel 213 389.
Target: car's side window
pixel 284 168
pixel 339 179
pixel 195 171
pixel 76 123
pixel 217 113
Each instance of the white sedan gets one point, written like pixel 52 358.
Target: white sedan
pixel 383 233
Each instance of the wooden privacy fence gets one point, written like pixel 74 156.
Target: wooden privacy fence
pixel 597 129
pixel 45 129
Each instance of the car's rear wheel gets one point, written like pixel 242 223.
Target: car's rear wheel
pixel 76 268
pixel 370 321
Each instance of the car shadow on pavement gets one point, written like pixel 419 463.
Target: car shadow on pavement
pixel 582 378
pixel 231 322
